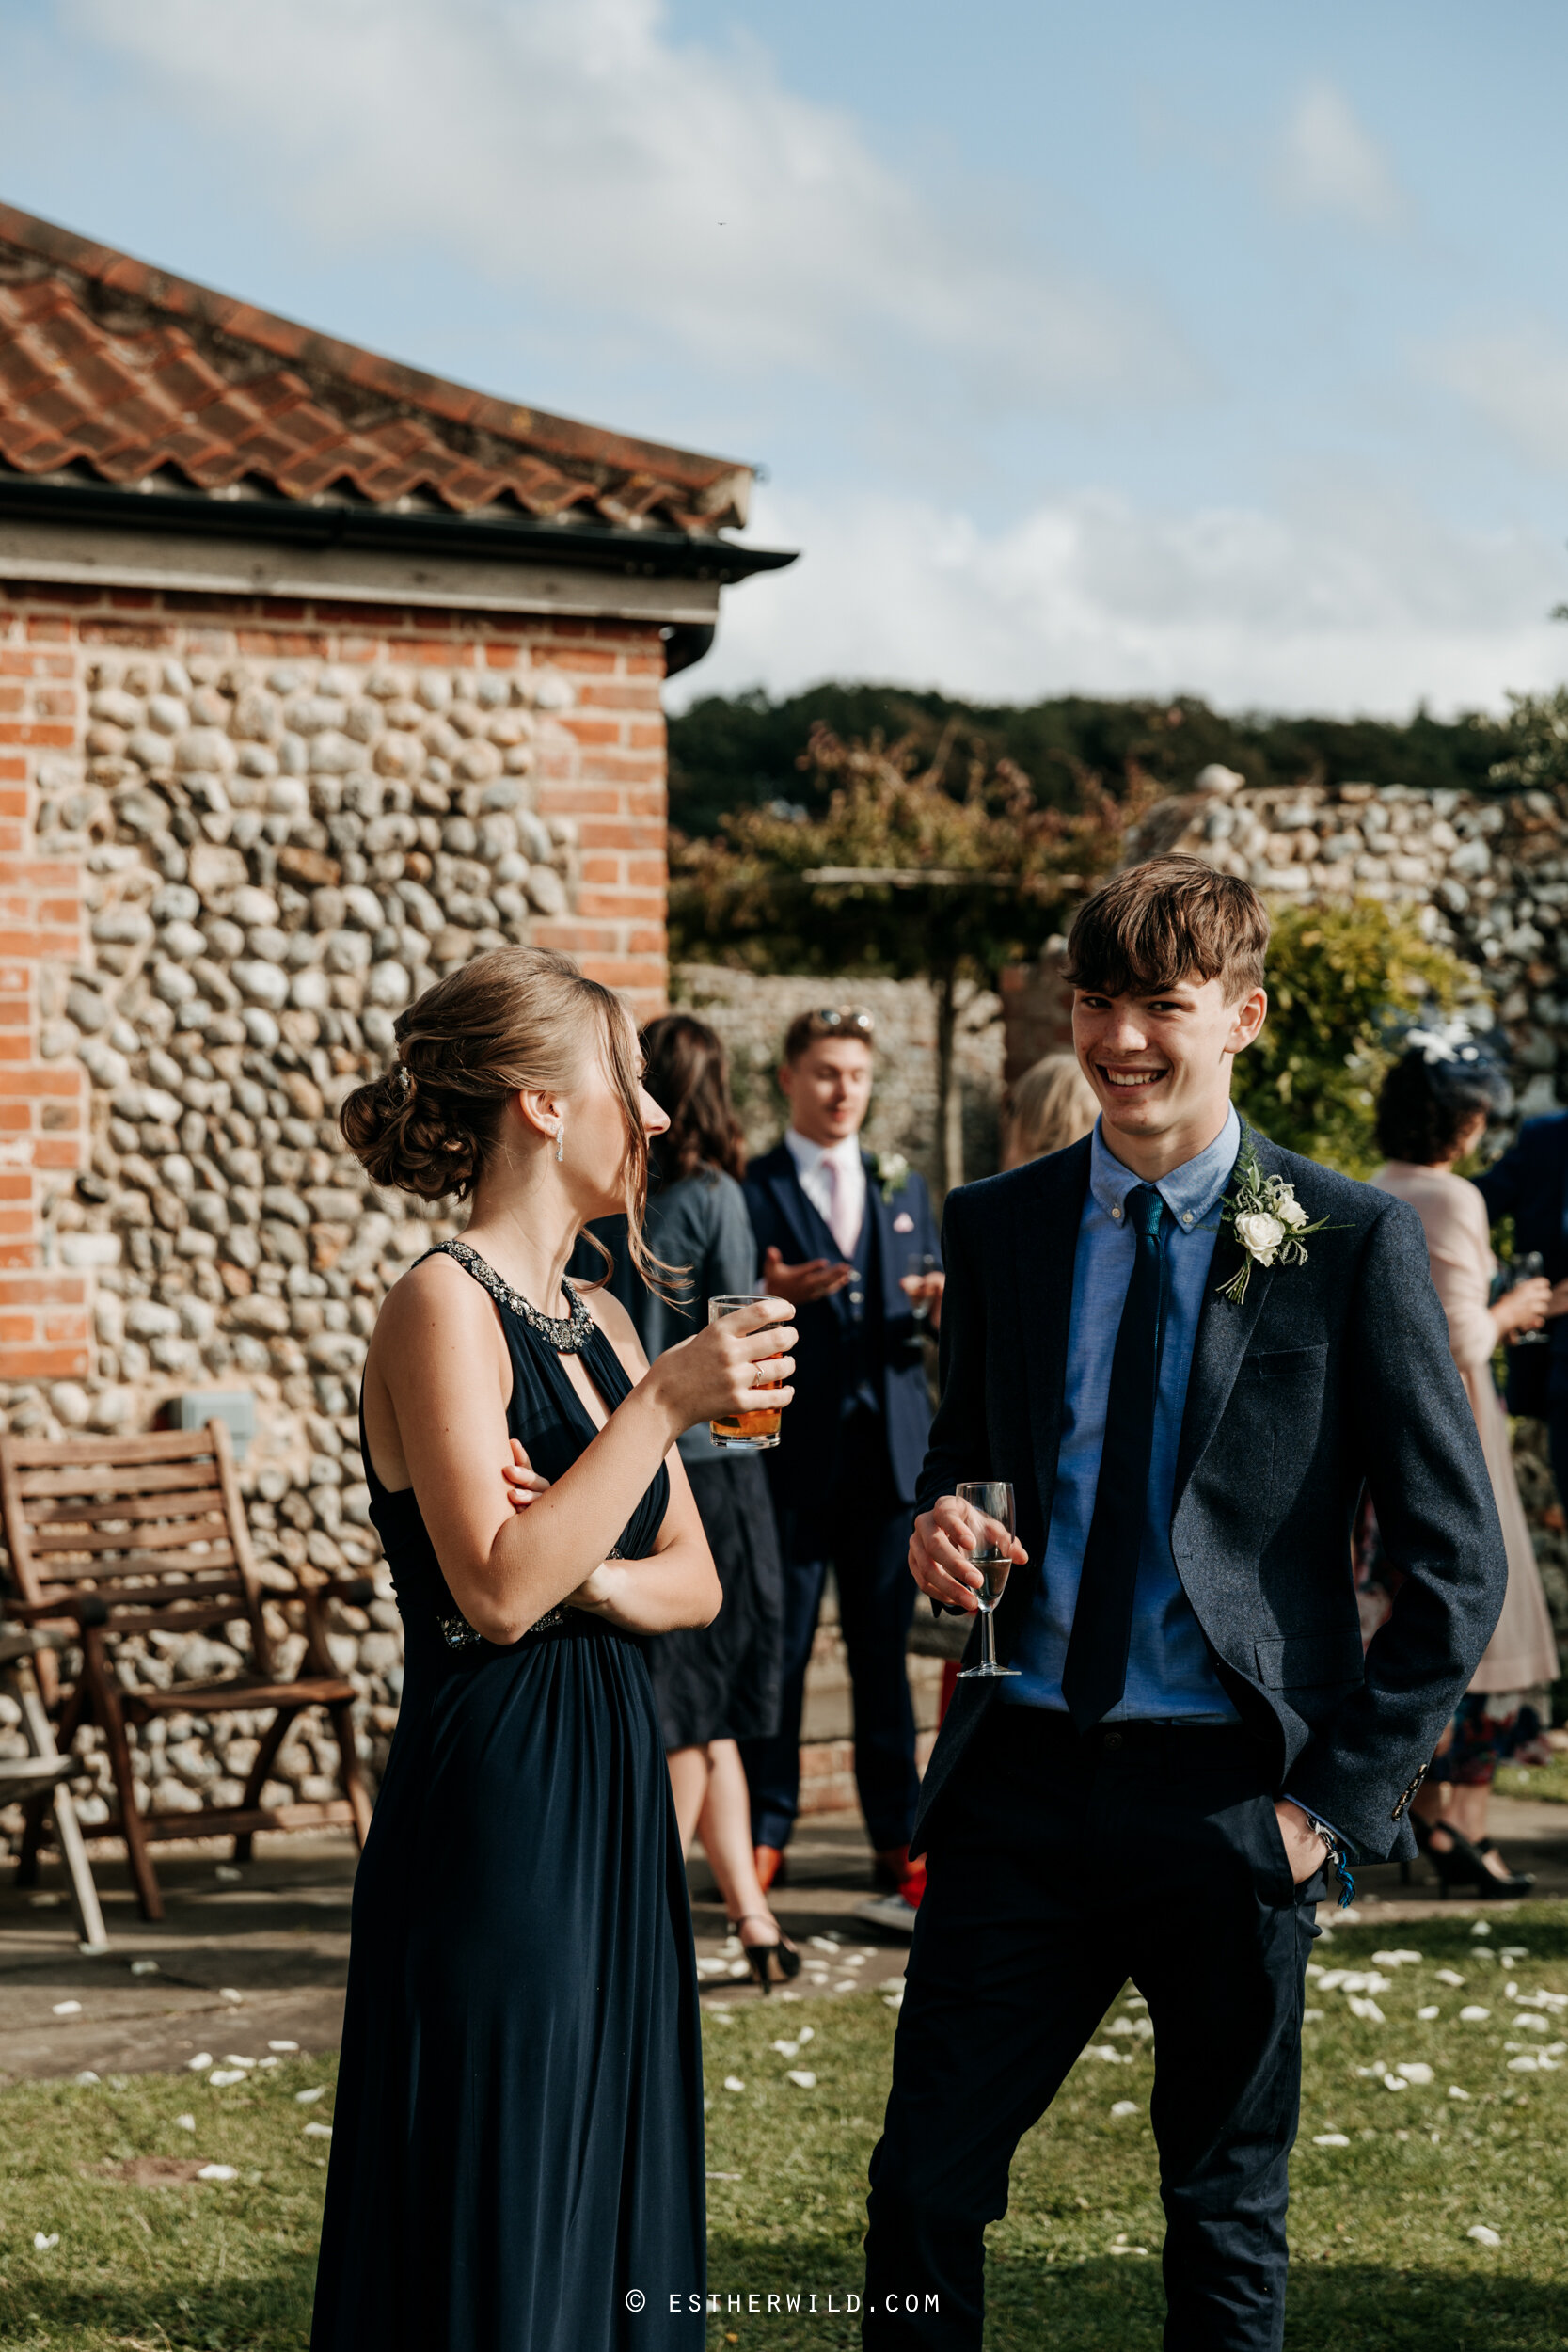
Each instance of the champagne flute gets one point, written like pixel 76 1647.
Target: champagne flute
pixel 989 1499
pixel 1529 1268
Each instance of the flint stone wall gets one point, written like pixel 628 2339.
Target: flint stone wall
pixel 262 838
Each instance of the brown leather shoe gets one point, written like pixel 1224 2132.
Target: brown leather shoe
pixel 769 1866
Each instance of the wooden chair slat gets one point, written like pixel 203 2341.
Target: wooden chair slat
pixel 168 1478
pixel 153 1530
pixel 177 1535
pixel 199 1503
pixel 153 1445
pixel 226 1699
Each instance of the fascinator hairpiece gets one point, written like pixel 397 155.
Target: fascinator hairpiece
pixel 1463 1061
pixel 403 1081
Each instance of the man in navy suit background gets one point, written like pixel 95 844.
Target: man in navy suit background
pixel 1530 1185
pixel 841 1235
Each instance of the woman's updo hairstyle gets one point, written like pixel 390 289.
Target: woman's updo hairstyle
pixel 519 1020
pixel 1445 1075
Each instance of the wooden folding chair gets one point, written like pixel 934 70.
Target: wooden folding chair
pixel 141 1535
pixel 45 1774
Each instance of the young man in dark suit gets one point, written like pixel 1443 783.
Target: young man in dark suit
pixel 1188 1351
pixel 842 1235
pixel 1529 1184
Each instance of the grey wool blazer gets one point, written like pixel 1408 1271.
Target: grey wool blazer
pixel 1333 1375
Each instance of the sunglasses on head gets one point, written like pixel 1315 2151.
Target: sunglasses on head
pixel 833 1018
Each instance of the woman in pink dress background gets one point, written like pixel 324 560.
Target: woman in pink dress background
pixel 1433 1111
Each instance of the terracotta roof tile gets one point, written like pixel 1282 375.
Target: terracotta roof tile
pixel 107 363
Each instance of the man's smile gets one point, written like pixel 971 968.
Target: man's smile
pixel 1127 1079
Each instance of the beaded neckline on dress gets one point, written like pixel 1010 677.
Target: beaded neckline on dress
pixel 567 1334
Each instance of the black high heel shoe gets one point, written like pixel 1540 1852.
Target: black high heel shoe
pixel 1464 1865
pixel 760 1956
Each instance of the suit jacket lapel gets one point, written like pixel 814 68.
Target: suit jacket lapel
pixel 1224 1330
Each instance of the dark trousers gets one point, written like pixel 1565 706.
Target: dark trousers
pixel 1059 1866
pixel 862 1532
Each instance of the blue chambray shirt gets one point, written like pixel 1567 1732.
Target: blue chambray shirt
pixel 1169 1677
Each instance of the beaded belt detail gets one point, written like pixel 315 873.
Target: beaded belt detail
pixel 458 1633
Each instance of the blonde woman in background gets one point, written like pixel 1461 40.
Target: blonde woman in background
pixel 1050 1106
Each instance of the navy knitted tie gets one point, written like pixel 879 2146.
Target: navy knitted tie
pixel 1095 1674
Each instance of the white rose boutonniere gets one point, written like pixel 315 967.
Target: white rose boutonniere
pixel 891 1172
pixel 1268 1222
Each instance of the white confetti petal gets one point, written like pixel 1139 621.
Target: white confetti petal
pixel 318 2131
pixel 1528 2064
pixel 1416 2071
pixel 202 2058
pixel 233 2058
pixel 1482 2235
pixel 1473 2014
pixel 788 2049
pixel 85 2078
pixel 144 1968
pixel 42 2244
pixel 67 2009
pixel 307 2098
pixel 227 1993
pixel 802 2076
pixel 733 2082
pixel 1311 2016
pixel 184 2122
pixel 1330 2139
pixel 282 2045
pixel 1426 2014
pixel 218 2172
pixel 1399 1959
pixel 1447 1976
pixel 1125 2107
pixel 1480 1927
pixel 228 1874
pixel 1454 2091
pixel 221 2076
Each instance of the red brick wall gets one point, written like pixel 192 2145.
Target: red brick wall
pixel 601 765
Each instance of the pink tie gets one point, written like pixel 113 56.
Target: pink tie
pixel 845 1231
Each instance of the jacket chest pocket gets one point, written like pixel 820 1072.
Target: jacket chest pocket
pixel 1284 1392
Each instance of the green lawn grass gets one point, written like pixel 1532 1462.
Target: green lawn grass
pixel 1378 2226
pixel 1546 1781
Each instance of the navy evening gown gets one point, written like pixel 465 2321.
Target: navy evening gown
pixel 517 2144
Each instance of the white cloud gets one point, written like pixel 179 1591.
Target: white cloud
pixel 1345 605
pixel 573 148
pixel 1519 382
pixel 1330 164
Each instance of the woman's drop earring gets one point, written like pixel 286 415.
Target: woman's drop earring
pixel 561 1141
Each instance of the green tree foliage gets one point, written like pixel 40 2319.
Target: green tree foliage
pixel 1334 976
pixel 1536 745
pixel 745 750
pixel 897 875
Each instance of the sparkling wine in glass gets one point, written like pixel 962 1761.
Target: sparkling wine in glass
pixel 744 1433
pixel 989 1504
pixel 919 1266
pixel 1528 1270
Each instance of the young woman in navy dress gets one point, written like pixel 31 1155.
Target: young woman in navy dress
pixel 517 2153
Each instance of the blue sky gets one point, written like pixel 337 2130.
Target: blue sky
pixel 1129 349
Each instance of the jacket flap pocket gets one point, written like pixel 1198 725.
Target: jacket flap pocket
pixel 1285 1363
pixel 1302 1658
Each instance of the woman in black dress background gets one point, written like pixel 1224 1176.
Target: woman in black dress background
pixel 714 1684
pixel 518 2136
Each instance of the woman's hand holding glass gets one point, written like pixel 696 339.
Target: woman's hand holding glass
pixel 719 1369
